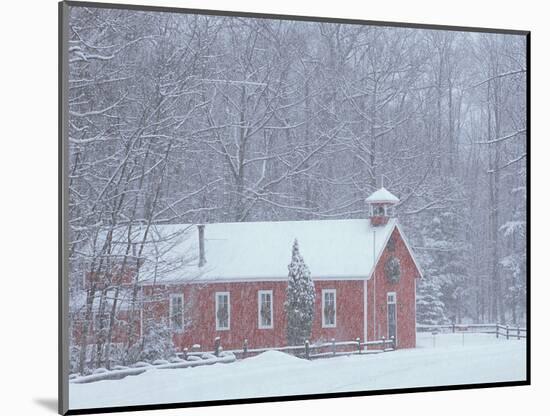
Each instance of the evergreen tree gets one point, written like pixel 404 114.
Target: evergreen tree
pixel 447 267
pixel 429 306
pixel 300 299
pixel 514 267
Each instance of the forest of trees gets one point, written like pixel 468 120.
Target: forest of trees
pixel 177 118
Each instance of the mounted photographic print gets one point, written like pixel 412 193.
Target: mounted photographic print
pixel 258 207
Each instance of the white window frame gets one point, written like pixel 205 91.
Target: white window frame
pixel 172 297
pixel 97 318
pixel 141 307
pixel 365 309
pixel 217 295
pixel 260 293
pixel 391 298
pixel 323 292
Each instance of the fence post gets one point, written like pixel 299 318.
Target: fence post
pixel 453 327
pixel 333 346
pixel 383 343
pixel 217 346
pixel 392 342
pixel 358 340
pixel 507 332
pixel 245 348
pixel 307 349
pixel 185 353
pixel 518 333
pixel 496 329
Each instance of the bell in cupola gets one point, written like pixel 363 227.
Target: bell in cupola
pixel 381 206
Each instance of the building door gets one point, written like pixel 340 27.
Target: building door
pixel 392 316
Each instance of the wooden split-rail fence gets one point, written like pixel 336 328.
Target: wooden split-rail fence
pixel 308 350
pixel 500 331
pixel 194 357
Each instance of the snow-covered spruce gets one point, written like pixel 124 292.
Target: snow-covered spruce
pixel 429 307
pixel 300 299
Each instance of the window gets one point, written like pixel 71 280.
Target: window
pixel 265 309
pixel 176 312
pixel 391 244
pixel 392 316
pixel 223 311
pixel 378 210
pixel 392 270
pixel 101 321
pixel 329 308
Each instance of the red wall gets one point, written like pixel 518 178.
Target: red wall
pixel 119 334
pixel 349 311
pixel 405 293
pixel 200 322
pixel 199 306
pixel 116 277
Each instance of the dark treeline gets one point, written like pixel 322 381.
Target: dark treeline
pixel 180 118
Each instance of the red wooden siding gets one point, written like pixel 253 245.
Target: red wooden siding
pixel 117 276
pixel 349 311
pixel 405 293
pixel 200 315
pixel 199 306
pixel 120 331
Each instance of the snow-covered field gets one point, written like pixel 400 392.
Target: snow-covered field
pixel 481 359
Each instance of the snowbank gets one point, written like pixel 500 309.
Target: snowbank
pixel 482 359
pixel 140 367
pixel 274 358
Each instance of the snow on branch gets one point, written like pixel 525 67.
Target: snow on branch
pixel 98 112
pixel 502 75
pixel 229 81
pixel 510 163
pixel 503 138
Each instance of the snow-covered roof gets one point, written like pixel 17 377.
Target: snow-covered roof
pixel 123 297
pixel 332 249
pixel 382 196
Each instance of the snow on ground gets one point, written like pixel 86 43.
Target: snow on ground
pixel 455 359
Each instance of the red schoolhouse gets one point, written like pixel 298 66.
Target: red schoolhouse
pixel 234 286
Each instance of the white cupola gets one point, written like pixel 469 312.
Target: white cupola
pixel 381 204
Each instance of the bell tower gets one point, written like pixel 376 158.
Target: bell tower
pixel 381 206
